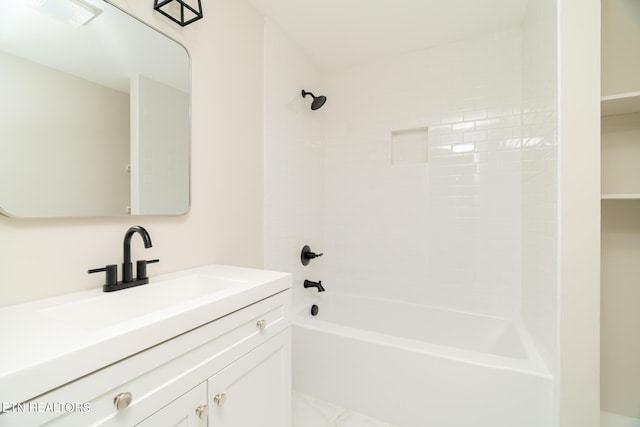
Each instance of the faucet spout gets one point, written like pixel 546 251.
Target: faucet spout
pixel 317 285
pixel 127 269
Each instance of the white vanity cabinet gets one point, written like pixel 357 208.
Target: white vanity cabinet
pixel 255 389
pixel 189 410
pixel 244 355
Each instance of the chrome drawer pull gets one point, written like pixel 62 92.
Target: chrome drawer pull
pixel 219 399
pixel 261 324
pixel 122 400
pixel 202 411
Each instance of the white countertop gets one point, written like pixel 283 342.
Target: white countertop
pixel 49 342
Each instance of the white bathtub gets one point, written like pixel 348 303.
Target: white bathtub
pixel 412 365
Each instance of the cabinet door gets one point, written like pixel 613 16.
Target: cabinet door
pixel 255 390
pixel 189 410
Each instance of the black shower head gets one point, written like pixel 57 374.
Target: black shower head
pixel 318 101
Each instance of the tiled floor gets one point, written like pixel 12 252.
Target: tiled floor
pixel 312 412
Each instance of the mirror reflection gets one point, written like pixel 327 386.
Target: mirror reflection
pixel 94 113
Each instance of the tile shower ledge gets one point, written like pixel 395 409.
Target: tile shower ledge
pixel 50 342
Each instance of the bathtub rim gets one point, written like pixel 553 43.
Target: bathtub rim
pixel 533 364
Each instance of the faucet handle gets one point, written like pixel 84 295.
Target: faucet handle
pixel 112 273
pixel 306 255
pixel 141 268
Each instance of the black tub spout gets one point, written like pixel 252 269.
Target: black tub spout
pixel 317 285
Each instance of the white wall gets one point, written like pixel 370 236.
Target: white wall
pixel 620 351
pixel 579 212
pixel 89 174
pixel 445 232
pixel 561 268
pixel 44 257
pixel 620 43
pixel 293 161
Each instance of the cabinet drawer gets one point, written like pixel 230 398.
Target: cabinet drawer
pixel 159 374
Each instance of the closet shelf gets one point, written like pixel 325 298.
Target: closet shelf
pixel 620 196
pixel 622 103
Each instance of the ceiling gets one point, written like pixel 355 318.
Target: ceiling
pixel 339 33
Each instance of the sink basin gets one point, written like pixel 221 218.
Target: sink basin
pixel 110 309
pixel 76 334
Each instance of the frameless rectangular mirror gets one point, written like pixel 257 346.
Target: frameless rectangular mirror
pixel 94 113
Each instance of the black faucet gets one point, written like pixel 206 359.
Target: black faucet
pixel 310 284
pixel 127 267
pixel 128 281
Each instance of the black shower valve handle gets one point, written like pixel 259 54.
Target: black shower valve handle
pixel 311 255
pixel 306 255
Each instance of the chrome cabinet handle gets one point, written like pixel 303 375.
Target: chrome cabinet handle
pixel 219 399
pixel 202 411
pixel 122 400
pixel 261 324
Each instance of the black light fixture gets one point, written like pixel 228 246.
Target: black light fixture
pixel 318 101
pixel 180 11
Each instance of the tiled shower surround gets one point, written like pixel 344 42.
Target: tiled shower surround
pixel 467 221
pixel 446 231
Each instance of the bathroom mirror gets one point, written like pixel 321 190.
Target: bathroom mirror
pixel 94 113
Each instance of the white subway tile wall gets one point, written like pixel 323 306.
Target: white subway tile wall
pixel 445 232
pixel 293 161
pixel 539 177
pixel 448 231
